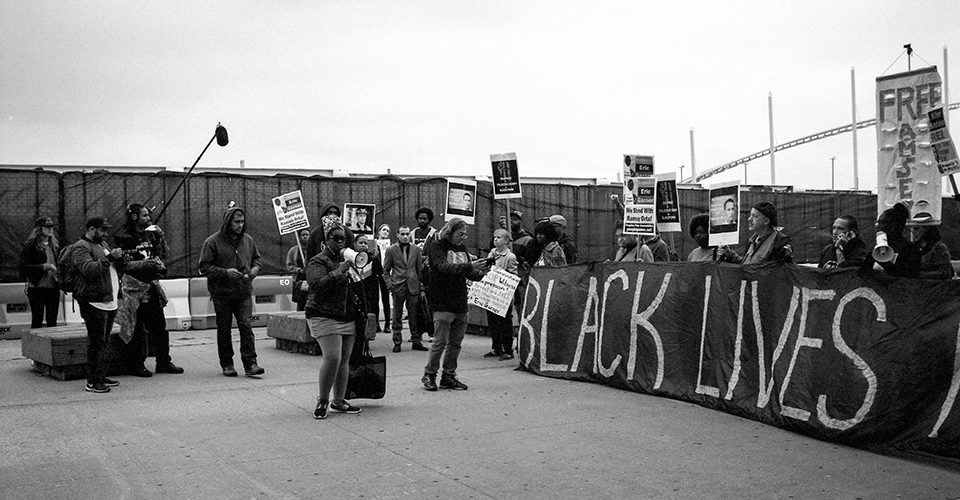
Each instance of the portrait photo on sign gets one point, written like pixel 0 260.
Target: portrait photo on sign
pixel 359 217
pixel 461 200
pixel 725 214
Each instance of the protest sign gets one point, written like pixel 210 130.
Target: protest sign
pixel 668 204
pixel 943 148
pixel 460 196
pixel 494 292
pixel 906 167
pixel 637 166
pixel 291 213
pixel 506 176
pixel 725 213
pixel 639 214
pixel 359 217
pixel 846 356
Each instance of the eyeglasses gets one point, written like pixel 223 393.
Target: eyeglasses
pixel 338 238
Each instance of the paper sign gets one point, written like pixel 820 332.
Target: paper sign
pixel 494 292
pixel 637 166
pixel 460 196
pixel 639 212
pixel 506 176
pixel 725 214
pixel 291 213
pixel 359 217
pixel 668 203
pixel 943 148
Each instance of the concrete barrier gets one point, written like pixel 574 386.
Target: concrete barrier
pixel 15 310
pixel 177 311
pixel 271 294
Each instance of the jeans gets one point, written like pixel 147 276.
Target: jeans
pixel 242 310
pixel 501 331
pixel 151 328
pixel 413 309
pixel 44 303
pixel 449 329
pixel 99 323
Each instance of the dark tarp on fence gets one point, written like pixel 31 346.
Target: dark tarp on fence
pixel 858 358
pixel 196 211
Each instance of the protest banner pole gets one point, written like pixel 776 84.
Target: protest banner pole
pixel 509 227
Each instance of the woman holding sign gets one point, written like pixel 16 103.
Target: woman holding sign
pixel 501 328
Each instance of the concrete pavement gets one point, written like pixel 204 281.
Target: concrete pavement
pixel 511 435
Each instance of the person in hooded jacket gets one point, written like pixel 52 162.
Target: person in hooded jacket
pixel 230 260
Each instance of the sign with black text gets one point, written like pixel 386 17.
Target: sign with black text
pixel 291 213
pixel 668 203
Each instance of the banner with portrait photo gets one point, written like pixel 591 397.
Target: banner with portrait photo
pixel 461 194
pixel 725 214
pixel 668 203
pixel 907 169
pixel 291 213
pixel 359 217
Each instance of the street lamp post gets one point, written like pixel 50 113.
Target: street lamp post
pixel 832 158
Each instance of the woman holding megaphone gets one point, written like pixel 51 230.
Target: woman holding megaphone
pixel 332 311
pixel 893 251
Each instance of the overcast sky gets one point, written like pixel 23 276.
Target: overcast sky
pixel 435 87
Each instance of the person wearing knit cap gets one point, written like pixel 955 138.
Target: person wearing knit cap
pixel 565 241
pixel 767 244
pixel 230 260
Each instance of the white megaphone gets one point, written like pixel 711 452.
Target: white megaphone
pixel 882 252
pixel 358 259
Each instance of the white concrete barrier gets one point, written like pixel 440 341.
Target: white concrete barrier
pixel 271 294
pixel 14 310
pixel 177 311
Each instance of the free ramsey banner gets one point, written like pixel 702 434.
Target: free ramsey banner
pixel 858 358
pixel 907 169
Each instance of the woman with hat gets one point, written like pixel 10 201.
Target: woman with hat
pixel 38 267
pixel 332 311
pixel 767 244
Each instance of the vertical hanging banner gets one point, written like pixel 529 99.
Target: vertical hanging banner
pixel 460 196
pixel 291 213
pixel 943 149
pixel 506 176
pixel 668 204
pixel 725 213
pixel 906 167
pixel 639 195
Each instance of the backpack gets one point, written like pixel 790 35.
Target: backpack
pixel 67 273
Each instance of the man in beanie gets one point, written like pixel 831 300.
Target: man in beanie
pixel 96 292
pixel 767 244
pixel 565 241
pixel 230 260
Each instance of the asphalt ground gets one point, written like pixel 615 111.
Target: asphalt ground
pixel 511 435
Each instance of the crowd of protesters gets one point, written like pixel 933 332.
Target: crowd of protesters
pixel 417 270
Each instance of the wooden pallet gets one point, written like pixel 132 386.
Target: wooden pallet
pixel 311 348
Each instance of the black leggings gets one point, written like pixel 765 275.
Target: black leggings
pixel 44 303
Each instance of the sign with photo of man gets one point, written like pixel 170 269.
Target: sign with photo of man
pixel 460 200
pixel 725 213
pixel 359 217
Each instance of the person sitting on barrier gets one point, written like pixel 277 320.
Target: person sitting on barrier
pixel 630 249
pixel 767 244
pixel 382 243
pixel 847 249
pixel 501 328
pixel 296 266
pixel 96 292
pixel 450 268
pixel 401 267
pixel 551 254
pixel 230 260
pixel 332 311
pixel 140 311
pixel 904 262
pixel 933 253
pixel 38 267
pixel 700 232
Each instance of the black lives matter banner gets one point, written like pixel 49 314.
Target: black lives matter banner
pixel 867 360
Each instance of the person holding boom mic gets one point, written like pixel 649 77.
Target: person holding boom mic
pixel 332 311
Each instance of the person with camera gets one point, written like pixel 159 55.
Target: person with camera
pixel 847 249
pixel 140 310
pixel 332 312
pixel 450 268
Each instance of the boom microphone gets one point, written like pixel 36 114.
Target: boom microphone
pixel 221 134
pixel 882 252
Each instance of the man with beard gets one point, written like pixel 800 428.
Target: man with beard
pixel 230 260
pixel 95 291
pixel 140 312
